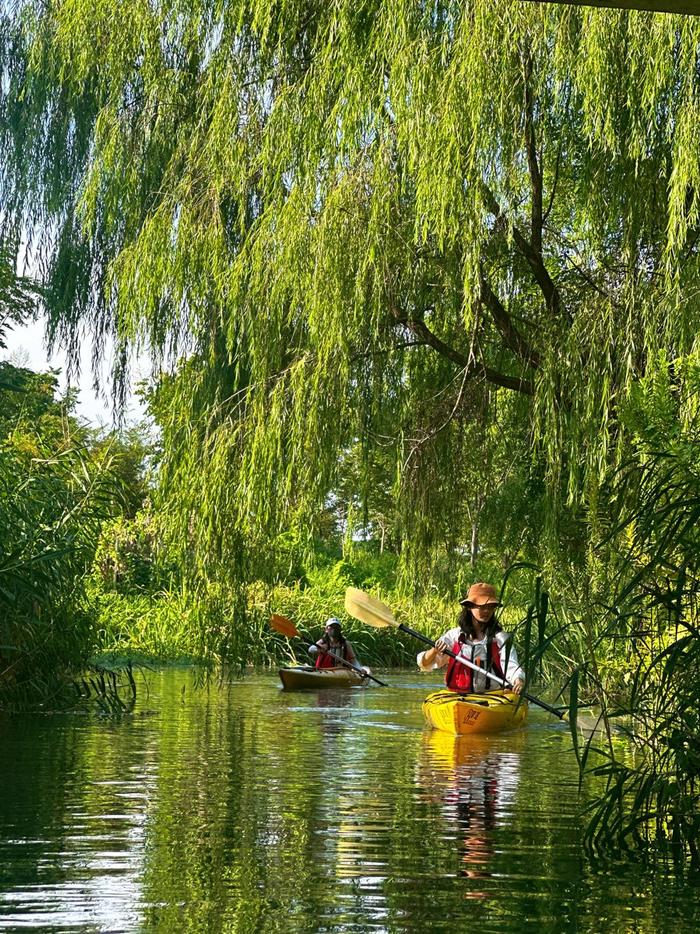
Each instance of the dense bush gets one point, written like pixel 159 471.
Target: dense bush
pixel 57 487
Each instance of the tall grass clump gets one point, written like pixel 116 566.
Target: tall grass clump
pixel 57 487
pixel 653 550
pixel 49 523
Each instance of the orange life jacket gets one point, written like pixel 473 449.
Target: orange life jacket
pixel 460 678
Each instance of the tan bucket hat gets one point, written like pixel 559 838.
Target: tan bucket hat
pixel 481 594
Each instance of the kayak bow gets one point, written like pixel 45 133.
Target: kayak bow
pixel 474 713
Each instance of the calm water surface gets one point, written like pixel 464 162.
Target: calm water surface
pixel 243 808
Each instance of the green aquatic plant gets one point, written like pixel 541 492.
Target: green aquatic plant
pixel 56 489
pixel 653 800
pixel 109 691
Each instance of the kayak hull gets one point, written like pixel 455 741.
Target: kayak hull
pixel 474 713
pixel 295 679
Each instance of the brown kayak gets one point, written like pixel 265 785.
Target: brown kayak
pixel 296 678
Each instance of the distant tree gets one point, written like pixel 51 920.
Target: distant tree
pixel 18 294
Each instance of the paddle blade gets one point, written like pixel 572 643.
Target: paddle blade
pixel 284 626
pixel 368 609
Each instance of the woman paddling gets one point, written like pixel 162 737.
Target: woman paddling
pixel 333 641
pixel 479 639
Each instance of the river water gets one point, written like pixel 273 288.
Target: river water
pixel 239 807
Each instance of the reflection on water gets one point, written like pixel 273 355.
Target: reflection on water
pixel 474 779
pixel 242 807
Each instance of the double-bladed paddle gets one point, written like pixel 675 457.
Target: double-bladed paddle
pixel 375 613
pixel 287 628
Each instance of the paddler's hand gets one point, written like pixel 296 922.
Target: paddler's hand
pixel 427 659
pixel 518 686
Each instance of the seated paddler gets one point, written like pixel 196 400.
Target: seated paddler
pixel 479 639
pixel 333 643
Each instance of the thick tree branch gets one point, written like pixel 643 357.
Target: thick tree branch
pixel 532 160
pixel 534 260
pixel 471 366
pixel 512 337
pixel 517 383
pixel 422 331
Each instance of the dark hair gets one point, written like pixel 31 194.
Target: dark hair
pixel 337 632
pixel 466 624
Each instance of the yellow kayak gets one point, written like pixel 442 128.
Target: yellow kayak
pixel 474 713
pixel 305 677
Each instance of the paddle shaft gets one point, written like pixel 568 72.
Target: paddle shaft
pixel 347 664
pixel 468 664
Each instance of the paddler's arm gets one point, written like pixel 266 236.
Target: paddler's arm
pixel 350 654
pixel 434 658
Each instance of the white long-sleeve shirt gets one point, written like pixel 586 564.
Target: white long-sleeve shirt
pixel 475 650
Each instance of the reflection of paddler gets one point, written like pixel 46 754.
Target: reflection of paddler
pixel 331 698
pixel 475 781
pixel 476 834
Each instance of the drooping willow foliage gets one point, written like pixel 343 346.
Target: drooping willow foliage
pixel 18 294
pixel 375 221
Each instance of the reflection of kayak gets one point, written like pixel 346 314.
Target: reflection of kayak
pixel 474 713
pixel 444 752
pixel 303 677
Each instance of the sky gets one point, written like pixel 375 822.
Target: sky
pixel 26 347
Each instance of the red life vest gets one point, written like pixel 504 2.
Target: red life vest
pixel 324 660
pixel 459 678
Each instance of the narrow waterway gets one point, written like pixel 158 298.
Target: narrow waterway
pixel 239 807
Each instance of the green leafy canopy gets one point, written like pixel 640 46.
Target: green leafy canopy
pixel 363 221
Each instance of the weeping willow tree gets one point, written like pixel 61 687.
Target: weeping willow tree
pixel 376 223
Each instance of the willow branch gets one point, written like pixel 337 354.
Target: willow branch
pixel 471 366
pixel 534 260
pixel 510 334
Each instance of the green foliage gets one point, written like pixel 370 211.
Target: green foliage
pixel 423 273
pixel 57 487
pixel 651 610
pixel 146 627
pixel 126 556
pixel 131 452
pixel 364 229
pixel 50 512
pixel 19 295
pixel 31 407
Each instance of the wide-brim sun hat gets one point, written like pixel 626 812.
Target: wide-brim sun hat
pixel 481 594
